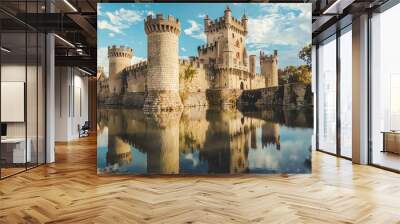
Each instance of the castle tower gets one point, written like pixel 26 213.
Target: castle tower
pixel 252 64
pixel 118 59
pixel 229 34
pixel 269 68
pixel 163 64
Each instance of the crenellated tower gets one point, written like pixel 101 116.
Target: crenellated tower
pixel 227 37
pixel 163 64
pixel 118 59
pixel 269 68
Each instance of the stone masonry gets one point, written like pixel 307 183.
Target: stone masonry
pixel 222 66
pixel 163 64
pixel 119 58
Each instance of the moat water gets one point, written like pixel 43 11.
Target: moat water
pixel 204 141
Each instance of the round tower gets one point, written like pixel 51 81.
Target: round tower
pixel 252 64
pixel 118 59
pixel 163 64
pixel 269 68
pixel 228 14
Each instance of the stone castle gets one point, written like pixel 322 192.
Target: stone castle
pixel 166 83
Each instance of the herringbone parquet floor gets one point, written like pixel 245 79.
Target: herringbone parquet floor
pixel 70 191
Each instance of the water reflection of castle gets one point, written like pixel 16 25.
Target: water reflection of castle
pixel 223 138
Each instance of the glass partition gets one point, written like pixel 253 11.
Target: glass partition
pixel 327 95
pixel 22 77
pixel 13 94
pixel 385 89
pixel 346 92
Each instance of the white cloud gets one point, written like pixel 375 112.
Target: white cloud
pixel 152 13
pixel 111 35
pixel 105 25
pixel 183 49
pixel 122 16
pixel 102 59
pixel 195 30
pixel 99 10
pixel 286 25
pixel 201 16
pixel 120 19
pixel 194 27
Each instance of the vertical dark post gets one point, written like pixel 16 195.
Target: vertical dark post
pixel 338 72
pixel 316 97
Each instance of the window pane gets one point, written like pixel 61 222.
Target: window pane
pixel 13 87
pixel 385 88
pixel 346 94
pixel 327 96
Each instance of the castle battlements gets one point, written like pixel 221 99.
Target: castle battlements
pixel 136 67
pixel 269 58
pixel 206 47
pixel 161 24
pixel 121 51
pixel 192 61
pixel 222 63
pixel 226 21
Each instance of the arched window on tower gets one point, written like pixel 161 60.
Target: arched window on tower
pixel 237 55
pixel 237 43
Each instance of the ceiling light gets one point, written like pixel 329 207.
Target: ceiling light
pixel 84 71
pixel 337 7
pixel 64 40
pixel 70 5
pixel 5 50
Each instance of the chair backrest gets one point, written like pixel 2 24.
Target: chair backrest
pixel 86 125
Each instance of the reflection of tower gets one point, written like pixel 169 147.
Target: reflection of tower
pixel 163 64
pixel 269 68
pixel 239 148
pixel 119 152
pixel 253 138
pixel 163 145
pixel 119 58
pixel 271 134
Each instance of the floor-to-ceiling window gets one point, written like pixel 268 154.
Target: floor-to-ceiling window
pixel 22 77
pixel 345 59
pixel 327 95
pixel 385 89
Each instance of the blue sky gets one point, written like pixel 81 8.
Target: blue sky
pixel 285 27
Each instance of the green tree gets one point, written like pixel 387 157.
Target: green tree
pixel 305 55
pixel 188 74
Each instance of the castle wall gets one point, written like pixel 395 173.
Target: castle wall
pixel 136 80
pixel 193 92
pixel 257 82
pixel 291 95
pixel 207 52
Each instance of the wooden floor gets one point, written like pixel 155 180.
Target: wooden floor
pixel 70 191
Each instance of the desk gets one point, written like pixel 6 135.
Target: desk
pixel 13 150
pixel 391 141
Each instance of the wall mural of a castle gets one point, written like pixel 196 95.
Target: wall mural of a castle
pixel 227 108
